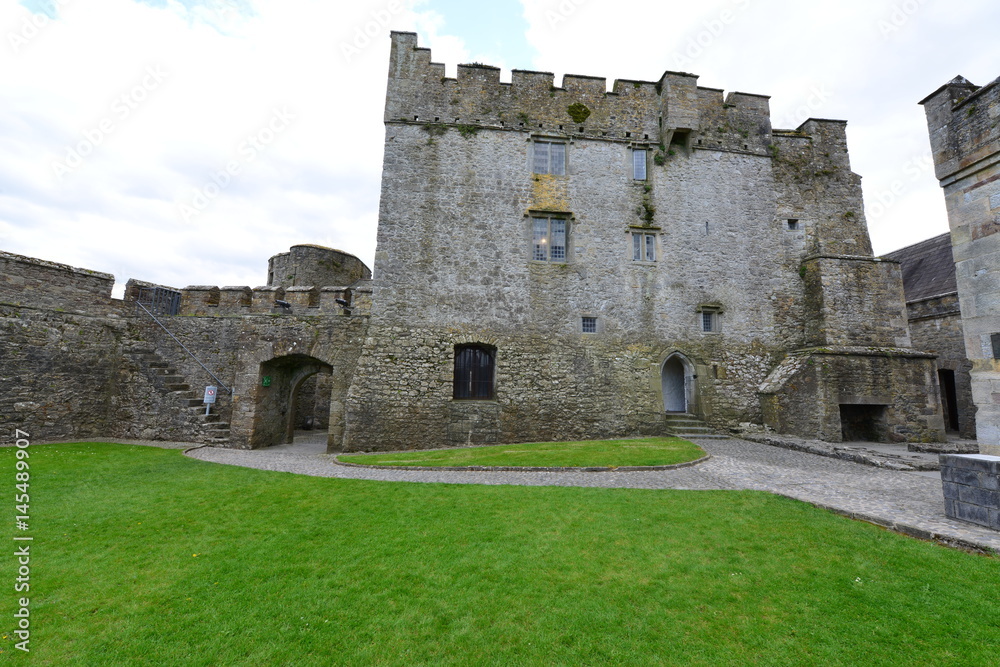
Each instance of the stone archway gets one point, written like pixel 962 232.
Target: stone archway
pixel 677 383
pixel 276 409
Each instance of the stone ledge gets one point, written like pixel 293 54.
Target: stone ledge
pixel 674 466
pixel 830 450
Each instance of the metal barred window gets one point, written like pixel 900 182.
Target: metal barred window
pixel 549 239
pixel 474 369
pixel 549 157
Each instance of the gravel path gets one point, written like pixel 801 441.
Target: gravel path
pixel 907 502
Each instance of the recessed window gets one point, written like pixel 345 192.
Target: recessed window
pixel 474 370
pixel 549 236
pixel 639 164
pixel 549 157
pixel 708 318
pixel 643 247
pixel 793 224
pixel 995 340
pixel 589 324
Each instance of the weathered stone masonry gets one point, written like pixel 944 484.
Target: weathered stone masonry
pixel 91 369
pixel 589 261
pixel 963 120
pixel 762 228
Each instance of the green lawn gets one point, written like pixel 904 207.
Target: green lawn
pixel 592 453
pixel 144 557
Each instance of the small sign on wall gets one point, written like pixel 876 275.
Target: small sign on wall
pixel 265 381
pixel 210 393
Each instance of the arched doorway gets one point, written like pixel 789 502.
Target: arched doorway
pixel 677 382
pixel 278 408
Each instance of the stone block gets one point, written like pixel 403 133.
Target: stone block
pixel 961 476
pixel 976 496
pixel 972 513
pixel 950 490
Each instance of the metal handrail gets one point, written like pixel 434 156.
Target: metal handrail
pixel 184 347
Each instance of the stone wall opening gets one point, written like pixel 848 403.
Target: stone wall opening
pixel 677 379
pixel 278 406
pixel 865 423
pixel 949 398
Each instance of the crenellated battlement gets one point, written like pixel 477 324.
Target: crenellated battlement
pixel 582 106
pixel 302 301
pixel 964 124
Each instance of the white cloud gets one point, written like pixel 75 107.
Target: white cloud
pixel 317 180
pixel 865 62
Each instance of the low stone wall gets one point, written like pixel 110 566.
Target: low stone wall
pixel 971 485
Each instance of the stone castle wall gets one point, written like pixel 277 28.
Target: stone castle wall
pixel 734 210
pixel 936 326
pixel 962 120
pixel 85 372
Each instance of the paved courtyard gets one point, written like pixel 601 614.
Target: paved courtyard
pixel 907 502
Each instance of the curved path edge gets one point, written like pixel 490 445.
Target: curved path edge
pixel 904 502
pixel 672 466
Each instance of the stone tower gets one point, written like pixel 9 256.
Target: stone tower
pixel 962 119
pixel 559 262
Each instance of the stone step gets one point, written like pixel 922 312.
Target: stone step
pixel 158 364
pixel 173 377
pixel 178 387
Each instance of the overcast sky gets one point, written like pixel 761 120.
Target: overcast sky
pixel 186 141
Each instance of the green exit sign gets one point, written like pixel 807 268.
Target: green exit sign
pixel 265 381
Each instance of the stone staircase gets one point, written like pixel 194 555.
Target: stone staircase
pixel 689 426
pixel 210 427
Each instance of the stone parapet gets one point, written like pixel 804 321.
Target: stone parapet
pixel 971 486
pixel 38 283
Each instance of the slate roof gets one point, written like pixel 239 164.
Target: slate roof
pixel 928 268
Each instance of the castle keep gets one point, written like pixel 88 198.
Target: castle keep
pixel 609 257
pixel 553 263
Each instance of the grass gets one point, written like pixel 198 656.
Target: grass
pixel 144 557
pixel 592 453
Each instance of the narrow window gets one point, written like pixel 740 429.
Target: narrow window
pixel 643 247
pixel 549 236
pixel 589 325
pixel 793 224
pixel 474 367
pixel 709 322
pixel 995 340
pixel 549 157
pixel 639 164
